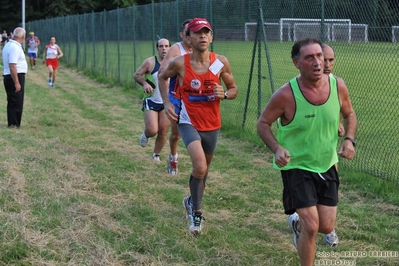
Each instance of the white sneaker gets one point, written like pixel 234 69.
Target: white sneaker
pixel 50 81
pixel 143 140
pixel 196 224
pixel 291 220
pixel 331 239
pixel 156 157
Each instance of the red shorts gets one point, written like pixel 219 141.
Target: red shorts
pixel 52 62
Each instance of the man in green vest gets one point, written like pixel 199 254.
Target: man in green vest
pixel 307 110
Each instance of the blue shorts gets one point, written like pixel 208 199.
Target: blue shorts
pixel 176 102
pixel 34 55
pixel 151 106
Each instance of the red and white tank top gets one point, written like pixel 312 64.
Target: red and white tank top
pixel 200 106
pixel 51 51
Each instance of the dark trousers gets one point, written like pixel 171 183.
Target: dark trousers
pixel 15 100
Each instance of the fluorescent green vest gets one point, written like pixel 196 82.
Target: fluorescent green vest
pixel 312 135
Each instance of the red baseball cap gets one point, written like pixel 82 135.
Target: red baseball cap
pixel 197 24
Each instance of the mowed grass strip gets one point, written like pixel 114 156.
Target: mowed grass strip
pixel 77 189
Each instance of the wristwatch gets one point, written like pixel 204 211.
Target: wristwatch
pixel 226 95
pixel 351 140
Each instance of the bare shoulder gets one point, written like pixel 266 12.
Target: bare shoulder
pixel 281 105
pixel 178 60
pixel 225 62
pixel 174 65
pixel 339 79
pixel 284 93
pixel 173 51
pixel 341 84
pixel 148 60
pixel 336 77
pixel 222 58
pixel 148 64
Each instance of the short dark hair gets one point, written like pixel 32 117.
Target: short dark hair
pixel 183 25
pixel 298 44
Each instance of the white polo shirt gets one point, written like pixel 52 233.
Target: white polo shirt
pixel 14 54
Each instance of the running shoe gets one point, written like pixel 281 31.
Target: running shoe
pixel 188 207
pixel 291 220
pixel 52 85
pixel 156 157
pixel 143 140
pixel 196 224
pixel 50 81
pixel 331 239
pixel 172 166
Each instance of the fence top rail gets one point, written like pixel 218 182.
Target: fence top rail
pixel 265 23
pixel 313 19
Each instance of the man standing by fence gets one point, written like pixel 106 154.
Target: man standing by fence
pixel 199 119
pixel 15 68
pixel 308 112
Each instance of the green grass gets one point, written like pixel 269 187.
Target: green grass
pixel 369 70
pixel 77 189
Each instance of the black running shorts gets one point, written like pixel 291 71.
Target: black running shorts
pixel 151 106
pixel 305 189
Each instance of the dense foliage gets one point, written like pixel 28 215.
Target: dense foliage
pixel 42 9
pixel 385 12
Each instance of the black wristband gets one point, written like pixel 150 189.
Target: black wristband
pixel 351 140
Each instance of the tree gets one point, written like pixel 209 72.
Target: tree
pixel 10 15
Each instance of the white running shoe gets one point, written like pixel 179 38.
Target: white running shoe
pixel 291 220
pixel 331 239
pixel 50 81
pixel 196 224
pixel 156 157
pixel 143 140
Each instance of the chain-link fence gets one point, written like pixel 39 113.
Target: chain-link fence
pixel 363 34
